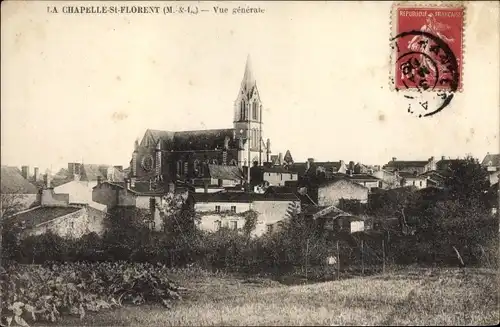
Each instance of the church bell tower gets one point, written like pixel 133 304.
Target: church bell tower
pixel 248 118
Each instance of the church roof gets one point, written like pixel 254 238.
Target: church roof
pixel 226 172
pixel 207 139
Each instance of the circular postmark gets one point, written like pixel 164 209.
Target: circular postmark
pixel 426 66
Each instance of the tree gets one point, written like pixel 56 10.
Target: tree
pixel 9 204
pixel 398 202
pixel 467 181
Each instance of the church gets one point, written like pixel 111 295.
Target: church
pixel 165 157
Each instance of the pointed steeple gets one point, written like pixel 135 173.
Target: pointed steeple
pixel 248 81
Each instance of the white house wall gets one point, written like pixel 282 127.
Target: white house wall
pixel 331 194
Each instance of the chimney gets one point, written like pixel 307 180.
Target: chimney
pixel 280 159
pixel 35 174
pixel 99 180
pixel 46 179
pixel 431 159
pixel 309 162
pixel 443 158
pixel 393 158
pixel 25 171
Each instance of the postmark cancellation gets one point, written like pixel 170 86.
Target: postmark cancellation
pixel 427 54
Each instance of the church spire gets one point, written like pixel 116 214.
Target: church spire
pixel 248 81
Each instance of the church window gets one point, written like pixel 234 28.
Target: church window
pixel 186 168
pixel 242 110
pixel 254 111
pixel 233 162
pixel 179 167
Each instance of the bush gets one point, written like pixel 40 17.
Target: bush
pixel 47 292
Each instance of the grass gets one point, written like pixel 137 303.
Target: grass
pixel 411 297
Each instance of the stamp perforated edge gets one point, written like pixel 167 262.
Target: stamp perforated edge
pixel 393 32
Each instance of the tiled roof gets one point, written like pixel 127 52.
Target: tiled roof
pixel 410 175
pixel 494 158
pixel 337 180
pixel 298 167
pixel 40 215
pixel 232 173
pixel 242 197
pixel 12 182
pixel 92 171
pixel 406 164
pixel 362 177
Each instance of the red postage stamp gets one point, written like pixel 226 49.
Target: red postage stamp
pixel 427 47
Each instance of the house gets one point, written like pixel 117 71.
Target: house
pixel 330 192
pixel 435 178
pixel 336 219
pixel 79 180
pixel 318 167
pixel 366 180
pixel 17 192
pixel 411 179
pixel 230 209
pixel 272 175
pixel 491 162
pixel 415 166
pixel 390 179
pixel 56 215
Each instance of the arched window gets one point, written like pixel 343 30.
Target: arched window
pixel 233 162
pixel 179 167
pixel 254 110
pixel 242 110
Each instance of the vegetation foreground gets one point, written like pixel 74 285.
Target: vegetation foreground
pixel 410 297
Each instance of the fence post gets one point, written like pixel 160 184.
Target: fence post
pixel 307 250
pixel 362 259
pixel 338 260
pixel 383 256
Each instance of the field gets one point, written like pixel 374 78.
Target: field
pixel 411 297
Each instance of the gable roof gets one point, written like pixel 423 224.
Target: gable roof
pixel 407 175
pixel 406 164
pixel 12 182
pixel 494 158
pixel 341 180
pixel 232 173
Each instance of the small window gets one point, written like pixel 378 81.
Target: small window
pixel 233 208
pixel 270 228
pixel 291 176
pixel 234 225
pixel 217 225
pixel 281 176
pixel 413 183
pixel 420 183
pixel 217 208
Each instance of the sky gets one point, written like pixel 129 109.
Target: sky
pixel 84 87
